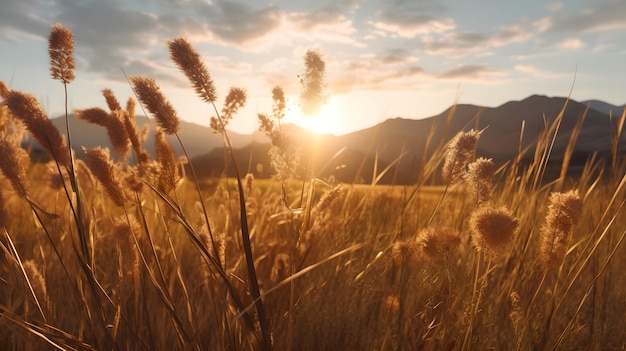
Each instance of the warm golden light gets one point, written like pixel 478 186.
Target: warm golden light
pixel 323 122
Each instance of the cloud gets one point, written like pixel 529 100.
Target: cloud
pixel 239 23
pixel 602 16
pixel 471 72
pixel 571 43
pixel 409 19
pixel 459 44
pixel 23 17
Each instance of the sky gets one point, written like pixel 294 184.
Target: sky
pixel 384 58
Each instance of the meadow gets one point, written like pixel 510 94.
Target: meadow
pixel 120 250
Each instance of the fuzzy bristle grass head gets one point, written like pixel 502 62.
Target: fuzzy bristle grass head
pixel 14 164
pixel 61 52
pixel 151 96
pixel 493 229
pixel 26 108
pixel 564 211
pixel 460 152
pixel 189 62
pixel 103 168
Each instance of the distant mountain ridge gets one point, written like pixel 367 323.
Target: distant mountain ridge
pixel 381 145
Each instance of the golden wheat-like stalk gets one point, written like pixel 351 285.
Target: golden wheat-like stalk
pixel 460 152
pixel 14 163
pixel 564 211
pixel 61 52
pixel 168 175
pixel 38 283
pixel 26 108
pixel 99 162
pixel 151 96
pixel 188 60
pixel 124 232
pixel 111 100
pixel 480 174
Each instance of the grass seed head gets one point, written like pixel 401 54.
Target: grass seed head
pixel 14 163
pixel 26 108
pixel 460 152
pixel 151 96
pixel 168 175
pixel 61 52
pixel 111 100
pixel 99 162
pixel 4 90
pixel 313 81
pixel 564 211
pixel 493 229
pixel 278 103
pixel 38 282
pixel 188 60
pixel 434 243
pixel 480 174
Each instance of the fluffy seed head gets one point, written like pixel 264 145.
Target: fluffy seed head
pixel 460 152
pixel 112 102
pixel 168 176
pixel 151 96
pixel 266 125
pixel 124 233
pixel 278 104
pixel 313 82
pixel 480 174
pixel 99 162
pixel 564 211
pixel 118 134
pixel 14 164
pixel 38 282
pixel 493 229
pixel 189 61
pixel 434 243
pixel 93 115
pixel 327 199
pixel 235 100
pixel 26 108
pixel 4 90
pixel 61 52
pixel 402 251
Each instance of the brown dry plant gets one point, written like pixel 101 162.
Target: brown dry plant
pixel 189 62
pixel 14 163
pixel 61 52
pixel 460 152
pixel 493 229
pixel 26 108
pixel 564 211
pixel 99 162
pixel 151 96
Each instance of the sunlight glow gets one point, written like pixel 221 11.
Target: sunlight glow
pixel 323 122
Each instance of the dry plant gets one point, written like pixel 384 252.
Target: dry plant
pixel 125 252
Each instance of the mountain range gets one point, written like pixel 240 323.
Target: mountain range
pixel 355 156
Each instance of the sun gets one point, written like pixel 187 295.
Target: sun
pixel 323 122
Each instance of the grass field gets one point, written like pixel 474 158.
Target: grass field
pixel 129 255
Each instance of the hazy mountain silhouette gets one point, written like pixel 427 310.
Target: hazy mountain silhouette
pixel 605 107
pixel 355 156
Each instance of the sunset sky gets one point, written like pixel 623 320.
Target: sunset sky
pixel 384 58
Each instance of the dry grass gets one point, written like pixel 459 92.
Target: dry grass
pixel 130 255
